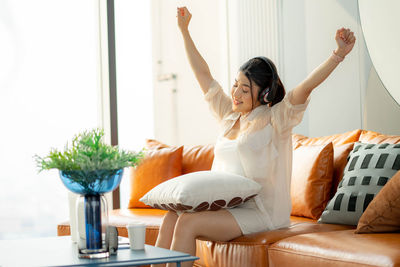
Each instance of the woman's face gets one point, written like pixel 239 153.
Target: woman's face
pixel 241 95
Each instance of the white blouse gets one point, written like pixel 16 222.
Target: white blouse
pixel 227 156
pixel 265 148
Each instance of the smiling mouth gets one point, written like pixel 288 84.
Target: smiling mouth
pixel 237 102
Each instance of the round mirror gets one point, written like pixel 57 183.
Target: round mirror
pixel 380 22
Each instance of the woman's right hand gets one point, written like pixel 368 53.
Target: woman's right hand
pixel 184 17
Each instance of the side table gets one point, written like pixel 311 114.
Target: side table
pixel 60 251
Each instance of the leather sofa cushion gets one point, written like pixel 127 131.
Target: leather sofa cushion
pixel 378 138
pixel 194 158
pixel 252 250
pixel 270 237
pixel 296 138
pixel 159 165
pixel 230 254
pixel 311 179
pixel 297 219
pixel 339 248
pixel 155 144
pixel 336 139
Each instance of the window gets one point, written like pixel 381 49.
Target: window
pixel 49 92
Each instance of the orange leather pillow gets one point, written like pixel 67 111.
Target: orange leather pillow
pixel 194 159
pixel 159 165
pixel 311 180
pixel 197 158
pixel 342 145
pixel 383 212
pixel 377 138
pixel 340 154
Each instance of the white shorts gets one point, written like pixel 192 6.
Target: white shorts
pixel 249 217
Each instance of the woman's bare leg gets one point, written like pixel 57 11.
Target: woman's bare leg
pixel 164 238
pixel 166 231
pixel 214 225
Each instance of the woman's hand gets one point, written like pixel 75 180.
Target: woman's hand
pixel 184 17
pixel 345 40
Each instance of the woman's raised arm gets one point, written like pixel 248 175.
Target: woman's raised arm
pixel 198 64
pixel 345 40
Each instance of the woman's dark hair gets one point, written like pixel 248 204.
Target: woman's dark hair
pixel 262 71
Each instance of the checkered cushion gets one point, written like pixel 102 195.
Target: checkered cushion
pixel 368 169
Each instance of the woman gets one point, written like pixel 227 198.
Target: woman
pixel 257 119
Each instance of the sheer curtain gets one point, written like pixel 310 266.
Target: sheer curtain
pixel 48 93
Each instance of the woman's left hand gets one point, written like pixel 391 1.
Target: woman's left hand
pixel 345 40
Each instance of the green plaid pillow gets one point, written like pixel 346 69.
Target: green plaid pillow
pixel 369 168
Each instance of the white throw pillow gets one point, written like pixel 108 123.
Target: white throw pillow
pixel 200 191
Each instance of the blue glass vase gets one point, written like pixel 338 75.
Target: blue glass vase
pixel 91 182
pixel 92 205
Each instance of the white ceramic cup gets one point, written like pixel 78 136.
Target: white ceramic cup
pixel 137 235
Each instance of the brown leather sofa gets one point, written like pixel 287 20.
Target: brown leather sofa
pixel 304 243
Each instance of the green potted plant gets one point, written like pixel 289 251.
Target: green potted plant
pixel 91 168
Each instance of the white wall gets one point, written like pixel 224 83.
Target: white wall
pixel 294 51
pixel 381 112
pixel 194 122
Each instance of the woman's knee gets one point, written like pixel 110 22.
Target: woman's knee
pixel 171 215
pixel 186 225
pixel 169 219
pixel 217 225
